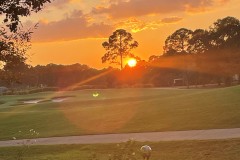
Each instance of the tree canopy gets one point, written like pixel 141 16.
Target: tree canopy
pixel 223 34
pixel 14 9
pixel 15 44
pixel 119 44
pixel 178 42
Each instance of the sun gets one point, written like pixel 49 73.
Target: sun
pixel 132 62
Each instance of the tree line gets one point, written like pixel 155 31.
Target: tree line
pixel 204 56
pixel 195 57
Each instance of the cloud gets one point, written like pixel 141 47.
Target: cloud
pixel 80 26
pixel 74 26
pixel 136 25
pixel 60 3
pixel 171 20
pixel 133 8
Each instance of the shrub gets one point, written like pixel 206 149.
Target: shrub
pixel 143 85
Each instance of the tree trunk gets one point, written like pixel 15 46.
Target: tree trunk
pixel 121 54
pixel 121 62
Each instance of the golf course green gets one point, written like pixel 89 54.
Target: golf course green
pixel 118 111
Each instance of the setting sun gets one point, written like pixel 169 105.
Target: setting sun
pixel 132 62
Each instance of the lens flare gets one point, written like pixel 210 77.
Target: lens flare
pixel 95 95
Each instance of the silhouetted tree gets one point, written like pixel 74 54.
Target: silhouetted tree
pixel 199 42
pixel 15 44
pixel 225 41
pixel 13 9
pixel 225 33
pixel 14 70
pixel 119 44
pixel 13 48
pixel 178 42
pixel 153 58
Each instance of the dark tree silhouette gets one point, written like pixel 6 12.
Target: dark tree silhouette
pixel 225 41
pixel 178 42
pixel 13 9
pixel 14 44
pixel 225 33
pixel 199 43
pixel 119 44
pixel 13 48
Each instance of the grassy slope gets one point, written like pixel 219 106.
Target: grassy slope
pixel 121 110
pixel 183 150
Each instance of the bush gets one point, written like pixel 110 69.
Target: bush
pixel 143 85
pixel 124 151
pixel 47 89
pixel 37 90
pixel 90 87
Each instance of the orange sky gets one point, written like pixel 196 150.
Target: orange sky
pixel 72 31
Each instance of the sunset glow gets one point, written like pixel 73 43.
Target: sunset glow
pixel 132 62
pixel 72 31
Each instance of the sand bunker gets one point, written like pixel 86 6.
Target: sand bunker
pixel 42 100
pixel 32 101
pixel 58 100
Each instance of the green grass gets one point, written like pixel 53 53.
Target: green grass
pixel 182 150
pixel 120 111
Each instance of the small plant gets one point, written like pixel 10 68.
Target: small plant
pixel 26 143
pixel 93 156
pixel 125 151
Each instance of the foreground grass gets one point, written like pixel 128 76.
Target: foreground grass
pixel 120 111
pixel 183 150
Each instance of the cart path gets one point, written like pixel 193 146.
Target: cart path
pixel 212 134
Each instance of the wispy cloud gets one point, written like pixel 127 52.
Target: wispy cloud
pixel 131 15
pixel 171 19
pixel 60 3
pixel 136 25
pixel 74 26
pixel 134 8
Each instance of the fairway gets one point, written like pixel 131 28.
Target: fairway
pixel 119 111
